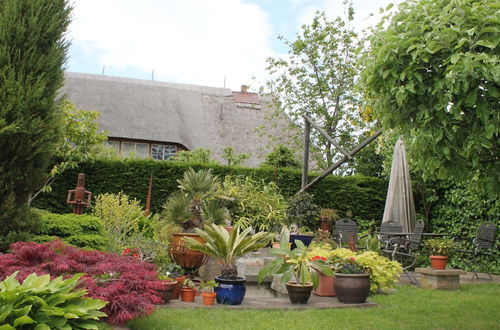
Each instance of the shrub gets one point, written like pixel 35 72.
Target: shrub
pixel 122 217
pixel 83 231
pixel 256 204
pixel 302 211
pixel 128 284
pixel 42 303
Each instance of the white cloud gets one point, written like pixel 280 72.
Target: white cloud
pixel 187 41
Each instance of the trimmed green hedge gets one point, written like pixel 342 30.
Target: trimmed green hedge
pixel 364 196
pixel 83 231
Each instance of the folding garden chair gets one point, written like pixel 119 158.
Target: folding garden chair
pixel 484 243
pixel 405 250
pixel 386 229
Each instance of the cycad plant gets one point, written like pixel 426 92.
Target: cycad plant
pixel 196 202
pixel 227 247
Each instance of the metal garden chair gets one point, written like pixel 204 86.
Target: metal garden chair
pixel 346 231
pixel 484 243
pixel 386 229
pixel 404 250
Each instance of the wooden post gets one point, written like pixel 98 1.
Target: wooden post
pixel 305 166
pixel 148 198
pixel 340 162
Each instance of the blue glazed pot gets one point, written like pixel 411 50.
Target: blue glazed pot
pixel 230 292
pixel 306 239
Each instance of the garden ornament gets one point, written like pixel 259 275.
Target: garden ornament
pixel 79 197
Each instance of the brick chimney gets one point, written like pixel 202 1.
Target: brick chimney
pixel 244 88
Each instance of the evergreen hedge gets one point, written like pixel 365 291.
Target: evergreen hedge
pixel 364 196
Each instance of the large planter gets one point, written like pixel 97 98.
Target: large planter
pixel 326 286
pixel 166 293
pixel 188 259
pixel 297 293
pixel 306 239
pixel 230 292
pixel 439 262
pixel 352 288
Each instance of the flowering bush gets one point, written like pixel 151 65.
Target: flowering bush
pixel 128 284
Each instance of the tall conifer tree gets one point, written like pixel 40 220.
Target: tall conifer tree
pixel 32 58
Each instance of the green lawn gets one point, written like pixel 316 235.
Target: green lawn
pixel 472 307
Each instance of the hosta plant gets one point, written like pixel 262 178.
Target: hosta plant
pixel 41 303
pixel 128 284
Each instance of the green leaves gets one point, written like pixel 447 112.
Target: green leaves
pixel 446 56
pixel 47 304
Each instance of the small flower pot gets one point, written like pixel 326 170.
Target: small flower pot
pixel 439 262
pixel 187 295
pixel 208 298
pixel 177 289
pixel 325 225
pixel 297 293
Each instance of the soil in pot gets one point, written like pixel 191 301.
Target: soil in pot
pixel 298 294
pixel 439 262
pixel 230 291
pixel 187 294
pixel 208 298
pixel 352 288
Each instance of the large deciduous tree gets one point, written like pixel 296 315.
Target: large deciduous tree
pixel 317 77
pixel 432 76
pixel 32 55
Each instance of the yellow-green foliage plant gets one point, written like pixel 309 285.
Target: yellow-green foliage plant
pixel 384 272
pixel 121 217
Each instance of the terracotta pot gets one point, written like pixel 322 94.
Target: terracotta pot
pixel 208 298
pixel 166 293
pixel 298 294
pixel 352 288
pixel 187 294
pixel 186 258
pixel 439 262
pixel 326 286
pixel 325 225
pixel 177 289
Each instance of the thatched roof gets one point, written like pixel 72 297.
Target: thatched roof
pixel 189 115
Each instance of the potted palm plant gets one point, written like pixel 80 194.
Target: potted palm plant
pixel 196 203
pixel 298 265
pixel 440 248
pixel 227 247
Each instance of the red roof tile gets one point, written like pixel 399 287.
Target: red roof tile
pixel 252 98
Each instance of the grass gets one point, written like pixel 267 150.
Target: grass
pixel 474 306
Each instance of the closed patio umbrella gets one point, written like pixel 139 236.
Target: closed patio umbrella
pixel 399 204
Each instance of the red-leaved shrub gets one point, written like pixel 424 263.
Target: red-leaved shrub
pixel 128 284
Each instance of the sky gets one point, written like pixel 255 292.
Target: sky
pixel 219 43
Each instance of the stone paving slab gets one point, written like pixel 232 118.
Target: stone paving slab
pixel 315 302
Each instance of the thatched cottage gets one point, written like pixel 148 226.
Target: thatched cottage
pixel 157 119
